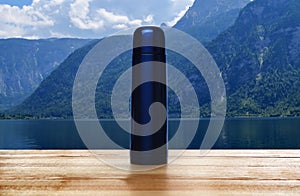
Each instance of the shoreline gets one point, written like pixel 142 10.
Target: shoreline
pixel 170 119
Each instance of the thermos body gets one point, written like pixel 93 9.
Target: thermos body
pixel 148 146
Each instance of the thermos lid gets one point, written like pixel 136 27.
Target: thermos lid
pixel 149 40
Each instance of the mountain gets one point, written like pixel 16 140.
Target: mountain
pixel 259 56
pixel 206 19
pixel 260 59
pixel 54 95
pixel 53 98
pixel 25 63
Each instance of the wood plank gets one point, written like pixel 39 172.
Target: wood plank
pixel 220 172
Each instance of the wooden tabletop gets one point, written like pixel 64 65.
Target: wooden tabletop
pixel 221 172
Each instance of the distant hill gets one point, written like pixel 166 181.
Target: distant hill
pixel 206 19
pixel 25 63
pixel 259 56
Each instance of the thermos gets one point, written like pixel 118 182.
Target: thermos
pixel 149 146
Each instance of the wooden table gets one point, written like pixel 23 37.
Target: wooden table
pixel 221 172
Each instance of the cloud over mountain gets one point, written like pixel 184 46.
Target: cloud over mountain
pixel 85 18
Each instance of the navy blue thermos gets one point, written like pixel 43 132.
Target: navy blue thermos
pixel 149 124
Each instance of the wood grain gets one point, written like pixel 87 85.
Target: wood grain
pixel 220 172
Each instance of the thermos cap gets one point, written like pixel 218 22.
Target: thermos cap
pixel 149 40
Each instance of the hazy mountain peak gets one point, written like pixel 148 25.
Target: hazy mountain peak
pixel 208 18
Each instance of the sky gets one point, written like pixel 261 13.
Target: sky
pixel 34 19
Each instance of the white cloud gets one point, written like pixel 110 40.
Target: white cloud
pixel 16 21
pixel 26 16
pixel 50 5
pixel 79 15
pixel 184 5
pixel 117 20
pixel 120 26
pixel 149 19
pixel 59 35
pixel 7 30
pixel 86 18
pixel 178 17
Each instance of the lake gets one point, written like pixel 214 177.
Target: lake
pixel 244 133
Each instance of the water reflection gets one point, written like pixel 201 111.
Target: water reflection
pixel 237 134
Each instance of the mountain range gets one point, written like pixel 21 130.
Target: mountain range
pixel 258 56
pixel 25 63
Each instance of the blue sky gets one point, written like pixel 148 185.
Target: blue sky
pixel 19 3
pixel 35 19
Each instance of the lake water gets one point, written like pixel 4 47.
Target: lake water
pixel 278 133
